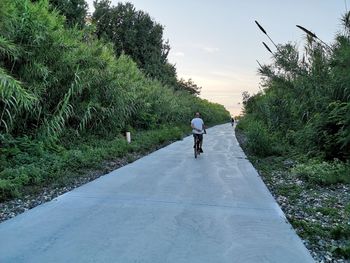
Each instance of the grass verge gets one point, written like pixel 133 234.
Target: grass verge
pixel 28 166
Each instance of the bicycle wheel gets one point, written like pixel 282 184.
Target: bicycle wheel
pixel 198 147
pixel 195 148
pixel 195 152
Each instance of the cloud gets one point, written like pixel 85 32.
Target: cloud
pixel 210 49
pixel 179 54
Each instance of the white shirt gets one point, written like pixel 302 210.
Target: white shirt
pixel 197 123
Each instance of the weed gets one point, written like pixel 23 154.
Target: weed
pixel 347 209
pixel 291 191
pixel 323 173
pixel 309 230
pixel 341 231
pixel 342 251
pixel 328 211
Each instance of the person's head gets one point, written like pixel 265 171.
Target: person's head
pixel 197 115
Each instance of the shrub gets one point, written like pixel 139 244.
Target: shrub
pixel 14 179
pixel 340 231
pixel 259 140
pixel 343 251
pixel 323 173
pixel 8 190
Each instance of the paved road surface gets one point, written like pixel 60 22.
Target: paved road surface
pixel 165 207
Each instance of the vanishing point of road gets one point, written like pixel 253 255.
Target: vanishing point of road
pixel 165 207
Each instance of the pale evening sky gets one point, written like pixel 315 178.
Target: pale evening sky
pixel 216 43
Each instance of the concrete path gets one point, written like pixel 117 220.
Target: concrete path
pixel 165 207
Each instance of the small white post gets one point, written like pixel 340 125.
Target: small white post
pixel 128 137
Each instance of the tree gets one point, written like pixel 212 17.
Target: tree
pixel 136 34
pixel 75 11
pixel 189 86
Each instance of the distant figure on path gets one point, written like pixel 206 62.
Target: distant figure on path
pixel 198 129
pixel 232 121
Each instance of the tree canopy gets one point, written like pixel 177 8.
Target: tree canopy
pixel 136 34
pixel 75 11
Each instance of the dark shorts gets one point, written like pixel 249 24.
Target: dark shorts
pixel 200 136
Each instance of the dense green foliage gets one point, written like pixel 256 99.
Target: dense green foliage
pixel 75 11
pixel 59 82
pixel 55 78
pixel 134 33
pixel 305 103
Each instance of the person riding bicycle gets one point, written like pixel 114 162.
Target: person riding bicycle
pixel 198 127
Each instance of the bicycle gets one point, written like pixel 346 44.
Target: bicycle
pixel 196 146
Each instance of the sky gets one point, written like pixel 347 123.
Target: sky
pixel 216 43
